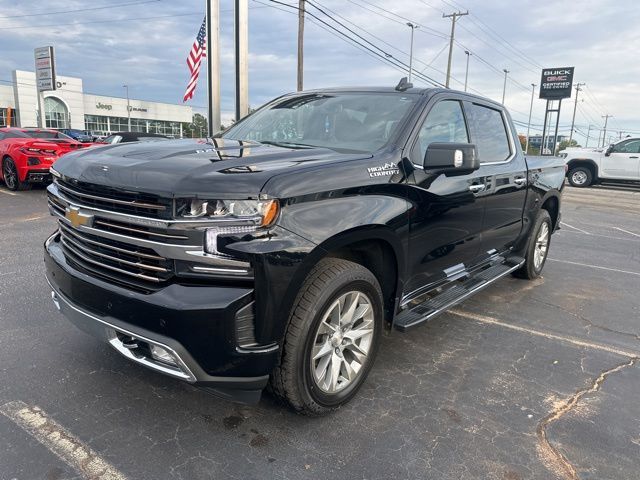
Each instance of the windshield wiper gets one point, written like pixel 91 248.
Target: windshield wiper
pixel 286 144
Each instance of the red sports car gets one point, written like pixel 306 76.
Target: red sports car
pixel 27 153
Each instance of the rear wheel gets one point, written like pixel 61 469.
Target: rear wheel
pixel 538 247
pixel 10 175
pixel 332 337
pixel 580 177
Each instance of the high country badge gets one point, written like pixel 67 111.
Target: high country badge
pixel 383 170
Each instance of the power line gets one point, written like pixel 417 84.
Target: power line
pixel 385 56
pixel 80 9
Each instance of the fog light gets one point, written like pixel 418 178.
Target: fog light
pixel 161 355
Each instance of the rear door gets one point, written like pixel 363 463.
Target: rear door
pixel 505 175
pixel 623 162
pixel 446 217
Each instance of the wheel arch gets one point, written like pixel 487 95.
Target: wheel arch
pixel 583 162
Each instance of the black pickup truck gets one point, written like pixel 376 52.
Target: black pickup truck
pixel 276 252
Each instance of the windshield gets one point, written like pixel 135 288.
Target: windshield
pixel 361 122
pixel 46 134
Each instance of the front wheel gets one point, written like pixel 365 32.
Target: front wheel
pixel 580 177
pixel 538 247
pixel 332 337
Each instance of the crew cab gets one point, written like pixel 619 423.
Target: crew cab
pixel 27 153
pixel 277 251
pixel 620 162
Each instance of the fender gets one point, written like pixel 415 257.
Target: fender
pixel 574 161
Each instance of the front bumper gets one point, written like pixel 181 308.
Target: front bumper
pixel 193 324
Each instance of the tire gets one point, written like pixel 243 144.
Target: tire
pixel 10 175
pixel 535 258
pixel 580 177
pixel 310 330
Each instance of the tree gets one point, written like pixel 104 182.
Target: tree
pixel 565 144
pixel 523 140
pixel 197 128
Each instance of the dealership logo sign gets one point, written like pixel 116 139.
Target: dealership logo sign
pixel 104 106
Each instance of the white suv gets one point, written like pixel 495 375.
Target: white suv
pixel 619 162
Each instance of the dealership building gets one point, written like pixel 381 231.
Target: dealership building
pixel 69 107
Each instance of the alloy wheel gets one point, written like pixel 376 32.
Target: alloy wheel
pixel 542 245
pixel 343 342
pixel 10 175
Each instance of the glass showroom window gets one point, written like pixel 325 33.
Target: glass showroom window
pixel 138 125
pixel 96 124
pixel 3 117
pixel 118 124
pixel 55 113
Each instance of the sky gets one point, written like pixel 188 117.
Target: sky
pixel 144 43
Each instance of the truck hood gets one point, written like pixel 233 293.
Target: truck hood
pixel 192 168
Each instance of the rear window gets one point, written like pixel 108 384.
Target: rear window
pixel 490 134
pixel 46 134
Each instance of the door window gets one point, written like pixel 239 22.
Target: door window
pixel 490 133
pixel 628 146
pixel 444 123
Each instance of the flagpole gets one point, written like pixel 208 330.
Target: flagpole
pixel 213 65
pixel 242 54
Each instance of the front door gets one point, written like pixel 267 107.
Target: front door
pixel 446 215
pixel 623 162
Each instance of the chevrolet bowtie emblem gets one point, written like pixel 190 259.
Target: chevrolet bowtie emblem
pixel 76 218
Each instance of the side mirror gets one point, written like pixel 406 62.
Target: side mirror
pixel 451 158
pixel 609 150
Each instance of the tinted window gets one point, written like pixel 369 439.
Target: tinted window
pixel 444 123
pixel 490 134
pixel 46 134
pixel 15 134
pixel 628 146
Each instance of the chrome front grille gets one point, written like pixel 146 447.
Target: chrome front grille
pixel 112 258
pixel 111 199
pixel 136 251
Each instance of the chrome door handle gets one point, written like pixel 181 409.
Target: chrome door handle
pixel 519 181
pixel 476 188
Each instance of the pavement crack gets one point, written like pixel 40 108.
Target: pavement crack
pixel 559 461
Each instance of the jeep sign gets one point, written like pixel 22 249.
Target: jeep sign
pixel 556 83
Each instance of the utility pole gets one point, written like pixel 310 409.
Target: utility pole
pixel 466 72
pixel 604 135
pixel 533 89
pixel 575 107
pixel 126 87
pixel 213 66
pixel 454 17
pixel 413 27
pixel 586 143
pixel 504 87
pixel 300 44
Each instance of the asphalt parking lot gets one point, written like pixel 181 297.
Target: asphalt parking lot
pixel 527 380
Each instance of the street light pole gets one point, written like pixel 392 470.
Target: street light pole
pixel 466 73
pixel 504 87
pixel 533 89
pixel 413 27
pixel 126 87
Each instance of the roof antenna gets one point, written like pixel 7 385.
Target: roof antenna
pixel 403 85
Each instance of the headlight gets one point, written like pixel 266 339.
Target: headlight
pixel 260 213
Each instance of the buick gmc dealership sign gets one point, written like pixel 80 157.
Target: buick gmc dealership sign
pixel 556 83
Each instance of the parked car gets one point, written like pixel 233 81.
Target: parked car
pixel 620 162
pixel 126 137
pixel 83 136
pixel 27 153
pixel 277 251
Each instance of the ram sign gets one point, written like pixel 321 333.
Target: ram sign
pixel 556 83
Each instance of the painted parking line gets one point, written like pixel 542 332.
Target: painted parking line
pixel 7 192
pixel 626 231
pixel 593 266
pixel 59 441
pixel 541 333
pixel 575 228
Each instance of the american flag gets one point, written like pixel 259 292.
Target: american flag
pixel 194 60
